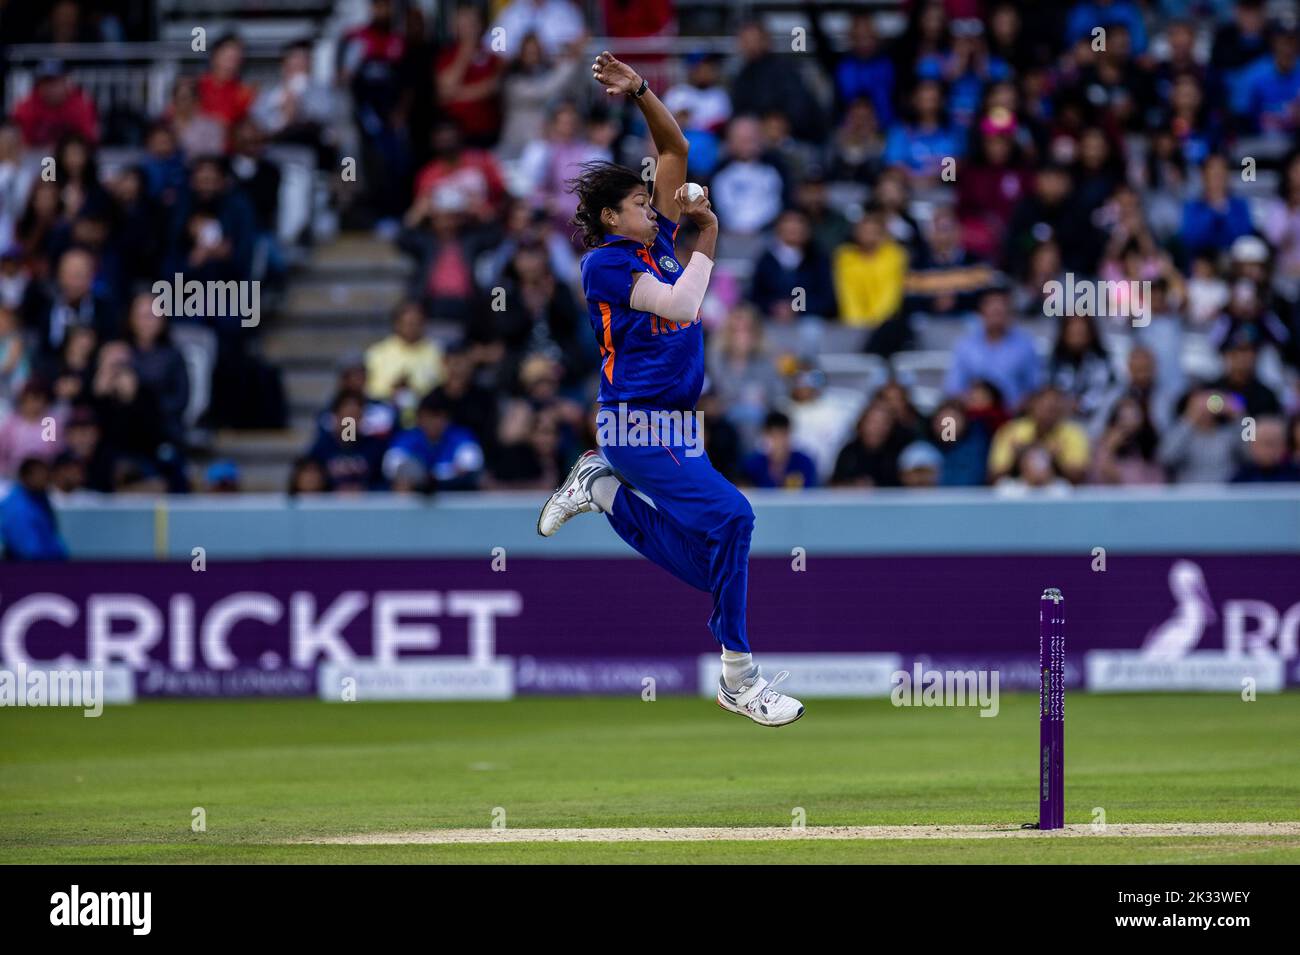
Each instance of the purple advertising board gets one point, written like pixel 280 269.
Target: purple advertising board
pixel 590 626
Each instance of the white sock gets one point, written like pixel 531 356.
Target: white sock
pixel 735 667
pixel 603 490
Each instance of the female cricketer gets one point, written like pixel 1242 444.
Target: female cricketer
pixel 644 310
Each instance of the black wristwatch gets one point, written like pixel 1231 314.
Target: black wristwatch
pixel 642 91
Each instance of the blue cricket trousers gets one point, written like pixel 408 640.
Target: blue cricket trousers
pixel 698 530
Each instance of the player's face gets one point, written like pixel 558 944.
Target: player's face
pixel 635 218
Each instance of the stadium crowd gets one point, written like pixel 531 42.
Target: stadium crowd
pixel 888 197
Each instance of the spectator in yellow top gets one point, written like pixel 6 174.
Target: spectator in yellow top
pixel 407 365
pixel 869 273
pixel 1045 423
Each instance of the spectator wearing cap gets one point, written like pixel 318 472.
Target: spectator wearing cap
pixel 407 361
pixel 29 528
pixel 447 454
pixel 352 460
pixel 1214 220
pixel 1240 359
pixel 792 262
pixel 55 108
pixel 777 463
pixel 87 457
pixel 1267 457
pixel 998 351
pixel 1045 424
pixel 1203 445
pixel 221 477
pixel 869 273
pixel 920 465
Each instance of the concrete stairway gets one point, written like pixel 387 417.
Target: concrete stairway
pixel 336 306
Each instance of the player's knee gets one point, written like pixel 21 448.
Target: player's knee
pixel 740 514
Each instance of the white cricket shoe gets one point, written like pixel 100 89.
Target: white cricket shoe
pixel 573 497
pixel 759 700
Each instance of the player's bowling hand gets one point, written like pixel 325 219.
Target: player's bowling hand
pixel 617 77
pixel 695 205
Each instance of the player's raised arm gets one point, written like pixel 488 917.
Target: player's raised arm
pixel 670 169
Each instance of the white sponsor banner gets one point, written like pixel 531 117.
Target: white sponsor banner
pixel 1210 670
pixel 453 678
pixel 814 675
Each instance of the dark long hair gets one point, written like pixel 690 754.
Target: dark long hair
pixel 600 185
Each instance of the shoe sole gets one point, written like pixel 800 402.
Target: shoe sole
pixel 726 709
pixel 559 490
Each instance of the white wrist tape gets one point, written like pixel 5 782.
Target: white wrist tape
pixel 677 303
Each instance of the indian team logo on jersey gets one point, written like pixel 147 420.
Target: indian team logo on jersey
pixel 668 263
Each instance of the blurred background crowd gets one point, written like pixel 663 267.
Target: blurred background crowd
pixel 898 184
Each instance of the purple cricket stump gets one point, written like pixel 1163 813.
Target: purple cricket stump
pixel 1051 710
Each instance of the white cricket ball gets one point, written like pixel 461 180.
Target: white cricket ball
pixel 693 191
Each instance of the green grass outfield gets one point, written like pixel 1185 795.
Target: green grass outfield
pixel 121 788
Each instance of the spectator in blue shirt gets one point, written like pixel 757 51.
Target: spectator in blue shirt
pixel 996 351
pixel 1265 95
pixel 1086 17
pixel 792 260
pixel 922 145
pixel 777 463
pixel 29 529
pixel 865 71
pixel 435 454
pixel 1212 222
pixel 350 456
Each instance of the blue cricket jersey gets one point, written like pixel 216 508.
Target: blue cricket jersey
pixel 646 361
